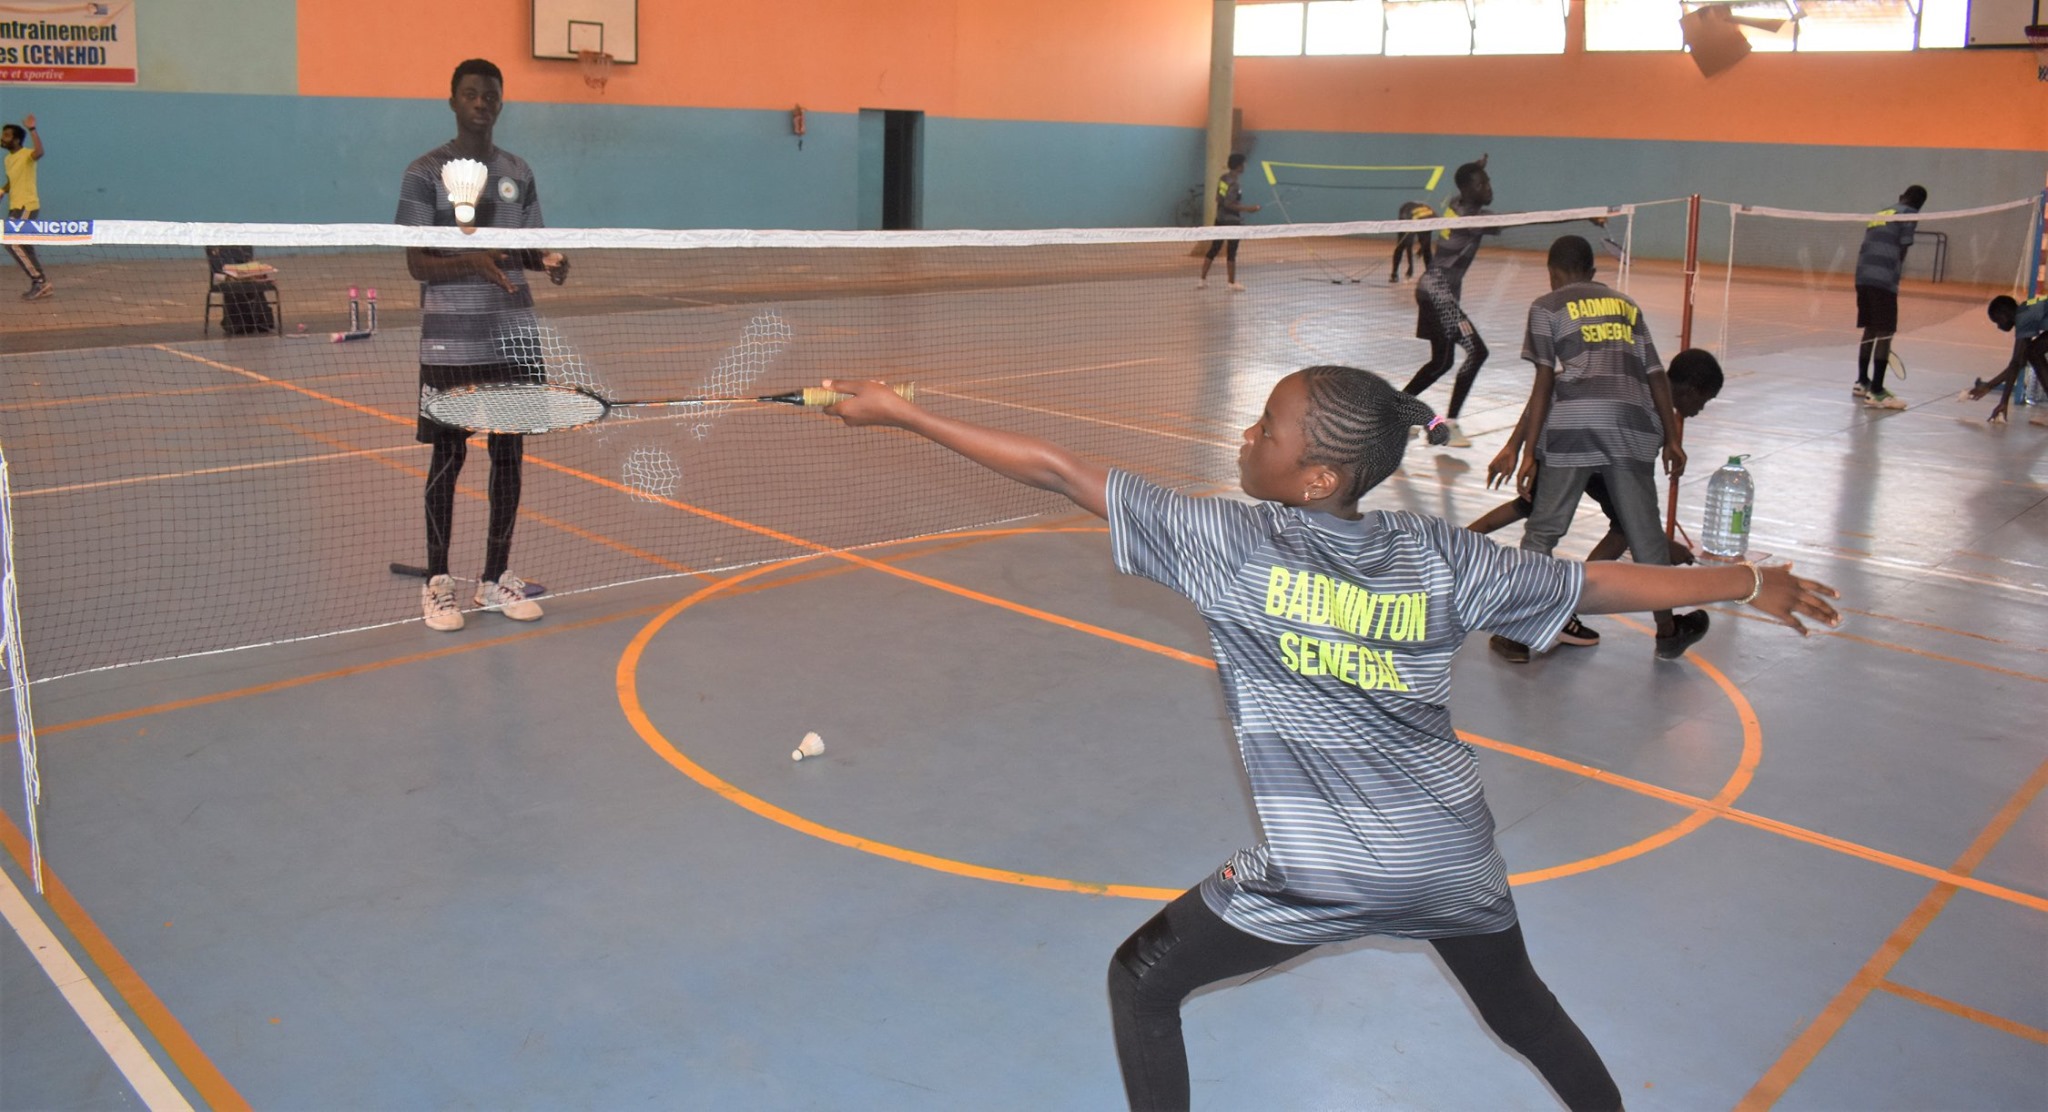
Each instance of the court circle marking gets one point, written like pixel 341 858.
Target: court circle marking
pixel 629 702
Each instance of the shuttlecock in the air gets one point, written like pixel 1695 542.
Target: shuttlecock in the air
pixel 464 179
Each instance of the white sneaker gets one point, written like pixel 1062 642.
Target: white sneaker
pixel 437 603
pixel 1237 287
pixel 1883 399
pixel 508 597
pixel 1201 283
pixel 1458 438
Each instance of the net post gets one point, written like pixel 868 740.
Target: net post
pixel 17 682
pixel 1692 270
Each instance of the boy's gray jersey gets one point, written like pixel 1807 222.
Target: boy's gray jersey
pixel 1334 640
pixel 466 320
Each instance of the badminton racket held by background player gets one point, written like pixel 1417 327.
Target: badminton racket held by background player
pixel 530 408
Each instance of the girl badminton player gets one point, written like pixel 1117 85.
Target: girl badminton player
pixel 1333 631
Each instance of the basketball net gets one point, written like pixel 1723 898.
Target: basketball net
pixel 597 68
pixel 2037 36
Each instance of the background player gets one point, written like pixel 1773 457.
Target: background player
pixel 1601 404
pixel 1230 212
pixel 1696 379
pixel 1410 244
pixel 1439 318
pixel 24 147
pixel 1879 263
pixel 470 302
pixel 2028 322
pixel 1373 814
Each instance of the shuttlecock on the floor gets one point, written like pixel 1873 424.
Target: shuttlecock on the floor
pixel 812 746
pixel 464 179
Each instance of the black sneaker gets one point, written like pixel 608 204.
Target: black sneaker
pixel 1576 632
pixel 1687 628
pixel 1514 652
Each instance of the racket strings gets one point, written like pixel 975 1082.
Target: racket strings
pixel 515 408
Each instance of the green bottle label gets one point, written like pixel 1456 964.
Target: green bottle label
pixel 1738 522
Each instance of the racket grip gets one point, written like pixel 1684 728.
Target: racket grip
pixel 817 397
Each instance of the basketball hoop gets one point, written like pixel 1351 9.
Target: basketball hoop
pixel 2037 37
pixel 597 68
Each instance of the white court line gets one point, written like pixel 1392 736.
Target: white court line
pixel 162 476
pixel 1226 445
pixel 115 1037
pixel 1061 371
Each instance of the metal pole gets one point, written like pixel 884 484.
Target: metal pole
pixel 1222 72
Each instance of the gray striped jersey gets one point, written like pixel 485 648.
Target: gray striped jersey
pixel 1334 640
pixel 1882 258
pixel 1601 408
pixel 464 322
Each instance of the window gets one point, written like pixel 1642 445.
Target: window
pixel 1633 25
pixel 1821 25
pixel 1518 27
pixel 1857 25
pixel 1428 27
pixel 1345 27
pixel 1267 29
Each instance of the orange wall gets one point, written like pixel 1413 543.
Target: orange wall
pixel 1976 99
pixel 1082 61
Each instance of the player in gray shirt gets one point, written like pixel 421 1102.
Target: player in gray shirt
pixel 1880 262
pixel 473 307
pixel 1333 630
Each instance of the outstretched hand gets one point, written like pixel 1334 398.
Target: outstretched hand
pixel 1787 597
pixel 1502 468
pixel 872 403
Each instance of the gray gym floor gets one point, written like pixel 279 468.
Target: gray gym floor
pixel 571 864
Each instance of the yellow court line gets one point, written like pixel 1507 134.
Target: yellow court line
pixel 213 1087
pixel 1832 1018
pixel 1964 1011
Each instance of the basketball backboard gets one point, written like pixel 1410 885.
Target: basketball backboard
pixel 2001 22
pixel 561 28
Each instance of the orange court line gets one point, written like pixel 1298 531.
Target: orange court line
pixel 1832 1018
pixel 213 1087
pixel 1974 1015
pixel 1941 629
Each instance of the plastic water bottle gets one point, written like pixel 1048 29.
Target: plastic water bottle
pixel 372 322
pixel 355 310
pixel 1730 497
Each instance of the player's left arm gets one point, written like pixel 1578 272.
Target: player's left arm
pixel 35 152
pixel 1619 588
pixel 1660 393
pixel 1535 415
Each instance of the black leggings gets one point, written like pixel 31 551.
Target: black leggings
pixel 1187 946
pixel 1442 350
pixel 1230 245
pixel 450 449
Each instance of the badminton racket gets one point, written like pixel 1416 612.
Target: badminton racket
pixel 1894 365
pixel 416 571
pixel 528 408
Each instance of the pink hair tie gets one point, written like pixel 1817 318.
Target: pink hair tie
pixel 1434 422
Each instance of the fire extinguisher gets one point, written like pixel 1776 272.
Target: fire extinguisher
pixel 796 125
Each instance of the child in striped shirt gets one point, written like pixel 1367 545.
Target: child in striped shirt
pixel 1333 630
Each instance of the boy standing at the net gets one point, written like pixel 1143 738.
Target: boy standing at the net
pixel 1230 210
pixel 1600 405
pixel 1333 632
pixel 24 147
pixel 1439 318
pixel 1880 261
pixel 471 302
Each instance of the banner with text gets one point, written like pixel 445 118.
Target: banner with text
pixel 66 42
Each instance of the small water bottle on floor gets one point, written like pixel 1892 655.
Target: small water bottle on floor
pixel 1730 497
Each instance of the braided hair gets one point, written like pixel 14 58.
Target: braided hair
pixel 1357 425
